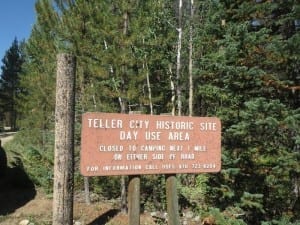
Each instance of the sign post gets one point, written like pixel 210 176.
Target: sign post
pixel 172 200
pixel 134 200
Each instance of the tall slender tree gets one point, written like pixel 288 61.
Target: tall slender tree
pixel 178 61
pixel 191 79
pixel 10 82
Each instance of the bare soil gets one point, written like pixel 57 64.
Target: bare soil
pixel 20 200
pixel 39 211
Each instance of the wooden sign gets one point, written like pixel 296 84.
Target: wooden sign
pixel 122 144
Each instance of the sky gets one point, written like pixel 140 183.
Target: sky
pixel 16 21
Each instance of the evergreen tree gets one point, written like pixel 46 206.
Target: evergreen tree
pixel 252 96
pixel 37 101
pixel 9 82
pixel 38 98
pixel 245 70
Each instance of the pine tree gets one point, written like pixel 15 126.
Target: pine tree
pixel 252 96
pixel 245 70
pixel 9 82
pixel 38 98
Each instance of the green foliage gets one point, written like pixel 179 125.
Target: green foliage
pixel 193 189
pixel 283 221
pixel 260 164
pixel 108 187
pixel 252 201
pixel 10 83
pixel 227 217
pixel 153 194
pixel 37 162
pixel 246 75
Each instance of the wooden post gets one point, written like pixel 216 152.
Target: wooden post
pixel 87 190
pixel 64 141
pixel 172 200
pixel 134 200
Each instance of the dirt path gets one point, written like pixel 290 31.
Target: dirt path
pixel 6 137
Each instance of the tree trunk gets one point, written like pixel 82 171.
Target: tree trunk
pixel 191 84
pixel 173 96
pixel 149 90
pixel 123 110
pixel 123 203
pixel 145 66
pixel 64 141
pixel 178 68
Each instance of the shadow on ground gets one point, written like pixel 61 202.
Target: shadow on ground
pixel 16 189
pixel 104 218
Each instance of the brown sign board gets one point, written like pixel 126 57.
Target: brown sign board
pixel 132 144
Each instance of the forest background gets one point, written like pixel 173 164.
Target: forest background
pixel 237 60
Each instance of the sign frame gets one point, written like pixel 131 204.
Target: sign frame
pixel 136 144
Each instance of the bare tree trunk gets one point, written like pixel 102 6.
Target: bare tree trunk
pixel 123 182
pixel 173 96
pixel 94 97
pixel 191 84
pixel 125 23
pixel 171 188
pixel 122 105
pixel 178 68
pixel 123 110
pixel 145 67
pixel 64 141
pixel 80 97
pixel 149 90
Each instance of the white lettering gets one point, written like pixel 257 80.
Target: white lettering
pixel 183 166
pixel 122 167
pixel 155 136
pixel 200 148
pixel 172 156
pixel 209 166
pixel 105 123
pixel 111 148
pixel 152 148
pixel 174 125
pixel 117 157
pixel 136 156
pixel 175 148
pixel 92 168
pixel 157 156
pixel 151 167
pixel 208 126
pixel 133 124
pixel 179 136
pixel 167 166
pixel 128 135
pixel 187 156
